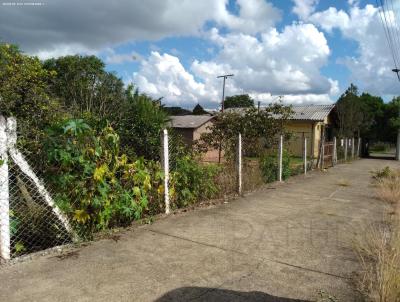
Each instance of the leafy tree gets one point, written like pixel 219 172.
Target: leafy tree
pixel 141 124
pixel 198 110
pixel 259 129
pixel 238 101
pixel 83 85
pixel 24 94
pixel 350 112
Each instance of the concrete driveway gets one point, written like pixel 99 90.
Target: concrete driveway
pixel 284 242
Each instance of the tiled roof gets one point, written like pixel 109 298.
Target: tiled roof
pixel 311 112
pixel 301 112
pixel 189 121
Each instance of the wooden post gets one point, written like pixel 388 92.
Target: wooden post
pixel 5 250
pixel 305 155
pixel 334 155
pixel 280 157
pixel 239 163
pixel 345 148
pixel 166 171
pixel 352 148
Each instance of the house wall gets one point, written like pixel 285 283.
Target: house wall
pixel 309 129
pixel 186 134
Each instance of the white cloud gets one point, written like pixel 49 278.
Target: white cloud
pixel 304 8
pixel 371 66
pixel 254 16
pixel 276 63
pixel 162 75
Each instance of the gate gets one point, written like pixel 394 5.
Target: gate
pixel 327 155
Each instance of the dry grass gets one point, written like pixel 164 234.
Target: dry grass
pixel 378 250
pixel 388 189
pixel 378 247
pixel 343 183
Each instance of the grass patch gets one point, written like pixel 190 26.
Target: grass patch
pixel 378 246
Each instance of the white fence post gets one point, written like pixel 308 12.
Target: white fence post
pixel 334 155
pixel 305 155
pixel 352 148
pixel 5 252
pixel 166 171
pixel 280 155
pixel 239 162
pixel 346 142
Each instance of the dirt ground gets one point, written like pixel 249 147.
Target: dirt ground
pixel 285 242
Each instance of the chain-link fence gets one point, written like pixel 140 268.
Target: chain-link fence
pixel 42 209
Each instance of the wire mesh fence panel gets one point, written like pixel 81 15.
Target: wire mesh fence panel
pixel 34 226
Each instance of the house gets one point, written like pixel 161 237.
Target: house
pixel 310 121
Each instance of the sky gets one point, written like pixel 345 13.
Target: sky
pixel 307 51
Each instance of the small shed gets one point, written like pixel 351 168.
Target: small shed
pixel 190 127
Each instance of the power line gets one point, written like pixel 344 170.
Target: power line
pixel 386 30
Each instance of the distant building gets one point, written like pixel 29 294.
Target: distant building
pixel 308 121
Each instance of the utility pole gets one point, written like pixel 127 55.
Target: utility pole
pixel 225 76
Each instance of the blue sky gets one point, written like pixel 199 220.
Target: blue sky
pixel 306 50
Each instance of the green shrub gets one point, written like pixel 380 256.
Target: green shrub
pixel 269 167
pixel 192 181
pixel 93 183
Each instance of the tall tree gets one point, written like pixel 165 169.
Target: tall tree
pixel 238 101
pixel 82 84
pixel 198 110
pixel 350 113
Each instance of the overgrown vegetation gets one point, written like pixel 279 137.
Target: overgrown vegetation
pixel 378 247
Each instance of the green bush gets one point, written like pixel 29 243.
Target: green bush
pixel 269 167
pixel 192 181
pixel 93 183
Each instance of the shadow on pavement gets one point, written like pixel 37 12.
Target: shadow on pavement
pixel 203 294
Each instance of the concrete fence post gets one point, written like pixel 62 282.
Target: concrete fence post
pixel 352 148
pixel 305 155
pixel 334 153
pixel 239 163
pixel 280 158
pixel 346 142
pixel 166 171
pixel 5 251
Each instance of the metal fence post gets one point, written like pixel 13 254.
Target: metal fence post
pixel 352 148
pixel 5 252
pixel 346 142
pixel 334 155
pixel 280 156
pixel 305 155
pixel 166 171
pixel 239 163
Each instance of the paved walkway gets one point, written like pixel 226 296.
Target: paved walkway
pixel 282 243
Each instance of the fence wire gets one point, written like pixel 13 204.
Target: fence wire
pixel 33 223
